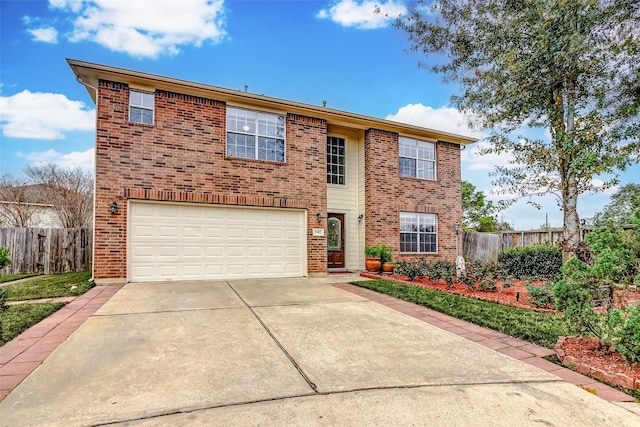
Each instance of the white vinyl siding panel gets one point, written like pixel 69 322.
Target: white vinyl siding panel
pixel 345 199
pixel 169 241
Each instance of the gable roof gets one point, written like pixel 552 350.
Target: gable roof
pixel 89 74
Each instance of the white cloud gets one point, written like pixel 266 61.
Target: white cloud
pixel 364 15
pixel 45 34
pixel 82 159
pixel 144 28
pixel 43 115
pixel 445 119
pixel 476 161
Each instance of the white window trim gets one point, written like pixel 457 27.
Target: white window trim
pixel 418 214
pixel 256 134
pixel 345 160
pixel 434 161
pixel 142 107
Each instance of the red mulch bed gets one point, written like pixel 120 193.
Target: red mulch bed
pixel 582 353
pixel 588 358
pixel 515 296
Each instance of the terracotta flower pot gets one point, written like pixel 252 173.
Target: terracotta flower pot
pixel 373 264
pixel 387 267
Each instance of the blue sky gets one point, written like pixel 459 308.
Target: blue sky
pixel 302 50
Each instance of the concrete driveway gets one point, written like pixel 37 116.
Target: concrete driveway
pixel 284 352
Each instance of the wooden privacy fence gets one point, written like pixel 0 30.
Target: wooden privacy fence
pixel 486 246
pixel 47 250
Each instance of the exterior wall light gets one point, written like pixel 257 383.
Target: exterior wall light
pixel 360 217
pixel 319 216
pixel 114 208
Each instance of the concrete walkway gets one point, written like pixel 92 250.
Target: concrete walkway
pixel 287 352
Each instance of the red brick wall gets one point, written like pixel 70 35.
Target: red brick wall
pixel 388 194
pixel 182 158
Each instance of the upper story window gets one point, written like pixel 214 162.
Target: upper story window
pixel 255 135
pixel 335 160
pixel 418 232
pixel 417 158
pixel 141 107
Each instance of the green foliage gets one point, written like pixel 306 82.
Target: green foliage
pixel 540 296
pixel 372 251
pixel 615 252
pixel 411 269
pixel 380 251
pixel 483 275
pixel 386 254
pixel 627 337
pixel 543 261
pixel 18 318
pixel 4 257
pixel 3 306
pixel 541 328
pixel 621 207
pixel 478 214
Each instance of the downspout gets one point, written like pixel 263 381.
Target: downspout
pixel 95 154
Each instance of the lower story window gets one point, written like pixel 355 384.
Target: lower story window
pixel 418 232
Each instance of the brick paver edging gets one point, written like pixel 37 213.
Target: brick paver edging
pixel 22 355
pixel 505 344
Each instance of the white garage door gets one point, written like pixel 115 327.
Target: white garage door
pixel 200 242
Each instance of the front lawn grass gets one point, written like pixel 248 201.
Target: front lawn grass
pixel 60 285
pixel 541 328
pixel 12 277
pixel 18 318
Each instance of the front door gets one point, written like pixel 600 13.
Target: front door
pixel 335 240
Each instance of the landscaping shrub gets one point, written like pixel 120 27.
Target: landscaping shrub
pixel 3 306
pixel 411 269
pixel 543 261
pixel 483 275
pixel 627 333
pixel 540 296
pixel 4 257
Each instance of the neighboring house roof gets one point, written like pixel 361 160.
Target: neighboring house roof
pixel 89 74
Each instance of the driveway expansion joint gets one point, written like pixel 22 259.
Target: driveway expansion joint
pixel 311 384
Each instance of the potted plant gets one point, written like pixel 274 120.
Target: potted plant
pixel 386 257
pixel 373 262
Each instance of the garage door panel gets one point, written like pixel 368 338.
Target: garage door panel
pixel 199 242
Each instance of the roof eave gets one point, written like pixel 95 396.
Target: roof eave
pixel 89 74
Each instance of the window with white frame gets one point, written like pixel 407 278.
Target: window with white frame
pixel 141 107
pixel 255 135
pixel 418 232
pixel 335 160
pixel 417 158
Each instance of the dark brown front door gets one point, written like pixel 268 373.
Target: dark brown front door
pixel 335 240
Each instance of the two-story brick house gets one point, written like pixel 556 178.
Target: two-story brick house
pixel 197 182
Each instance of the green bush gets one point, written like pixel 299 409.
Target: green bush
pixel 627 336
pixel 543 261
pixel 3 306
pixel 4 257
pixel 411 269
pixel 540 296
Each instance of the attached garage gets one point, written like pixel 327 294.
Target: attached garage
pixel 173 241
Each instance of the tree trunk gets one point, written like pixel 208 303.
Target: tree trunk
pixel 571 235
pixel 569 180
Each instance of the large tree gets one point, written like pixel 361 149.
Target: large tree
pixel 478 214
pixel 69 191
pixel 566 66
pixel 18 206
pixel 620 210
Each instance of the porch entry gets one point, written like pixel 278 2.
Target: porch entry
pixel 335 240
